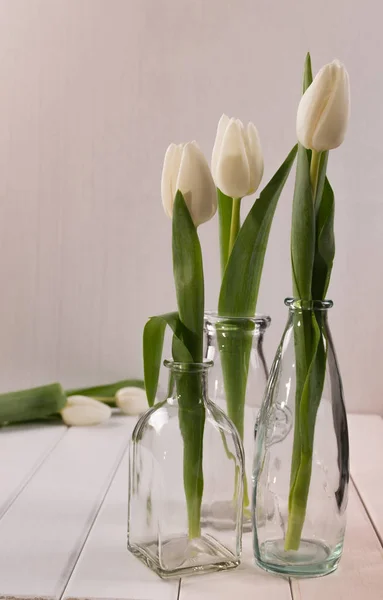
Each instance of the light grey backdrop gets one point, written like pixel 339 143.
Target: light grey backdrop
pixel 91 94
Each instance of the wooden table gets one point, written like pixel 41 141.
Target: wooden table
pixel 63 505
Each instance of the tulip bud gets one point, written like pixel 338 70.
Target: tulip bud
pixel 186 169
pixel 237 160
pixel 132 400
pixel 81 410
pixel 324 109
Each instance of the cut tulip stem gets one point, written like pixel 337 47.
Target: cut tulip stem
pixel 314 171
pixel 235 222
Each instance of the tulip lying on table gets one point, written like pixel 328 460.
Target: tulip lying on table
pixel 82 410
pixel 132 400
pixel 88 406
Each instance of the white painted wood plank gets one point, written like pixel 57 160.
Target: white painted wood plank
pixel 366 441
pixel 44 530
pixel 105 568
pixel 360 573
pixel 246 582
pixel 23 449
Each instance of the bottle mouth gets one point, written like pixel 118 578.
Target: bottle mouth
pixel 257 321
pixel 188 367
pixel 299 304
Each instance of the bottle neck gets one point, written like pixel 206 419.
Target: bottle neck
pixel 188 387
pixel 297 316
pixel 303 311
pixel 232 330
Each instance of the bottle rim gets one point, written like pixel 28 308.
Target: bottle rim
pixel 299 304
pixel 260 320
pixel 188 367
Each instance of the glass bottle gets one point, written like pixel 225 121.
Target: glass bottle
pixel 237 380
pixel 175 524
pixel 301 475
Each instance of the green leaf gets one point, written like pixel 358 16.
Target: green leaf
pixel 307 73
pixel 240 285
pixel 302 228
pixel 191 415
pixel 225 207
pixel 153 341
pixel 188 277
pixel 325 243
pixel 31 404
pixel 106 393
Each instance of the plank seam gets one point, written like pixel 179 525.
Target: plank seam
pixel 9 503
pixel 97 512
pixel 292 596
pixel 374 527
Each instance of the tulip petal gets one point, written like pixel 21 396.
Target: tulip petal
pixel 170 170
pixel 312 105
pixel 82 410
pixel 221 129
pixel 332 124
pixel 132 400
pixel 254 156
pixel 323 111
pixel 232 175
pixel 196 184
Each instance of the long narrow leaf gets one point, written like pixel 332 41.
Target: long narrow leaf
pixel 153 341
pixel 325 246
pixel 188 277
pixel 225 208
pixel 302 228
pixel 31 404
pixel 307 73
pixel 240 285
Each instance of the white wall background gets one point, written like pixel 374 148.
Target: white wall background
pixel 91 94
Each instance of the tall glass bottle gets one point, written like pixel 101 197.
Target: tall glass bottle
pixel 185 454
pixel 301 476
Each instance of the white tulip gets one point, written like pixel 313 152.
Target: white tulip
pixel 324 109
pixel 132 400
pixel 81 410
pixel 186 169
pixel 237 160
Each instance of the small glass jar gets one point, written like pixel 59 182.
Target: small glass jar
pixel 238 378
pixel 185 459
pixel 301 475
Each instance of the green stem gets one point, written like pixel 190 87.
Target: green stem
pixel 300 463
pixel 234 345
pixel 225 209
pixel 235 222
pixel 311 367
pixel 314 171
pixel 297 511
pixel 300 477
pixel 192 422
